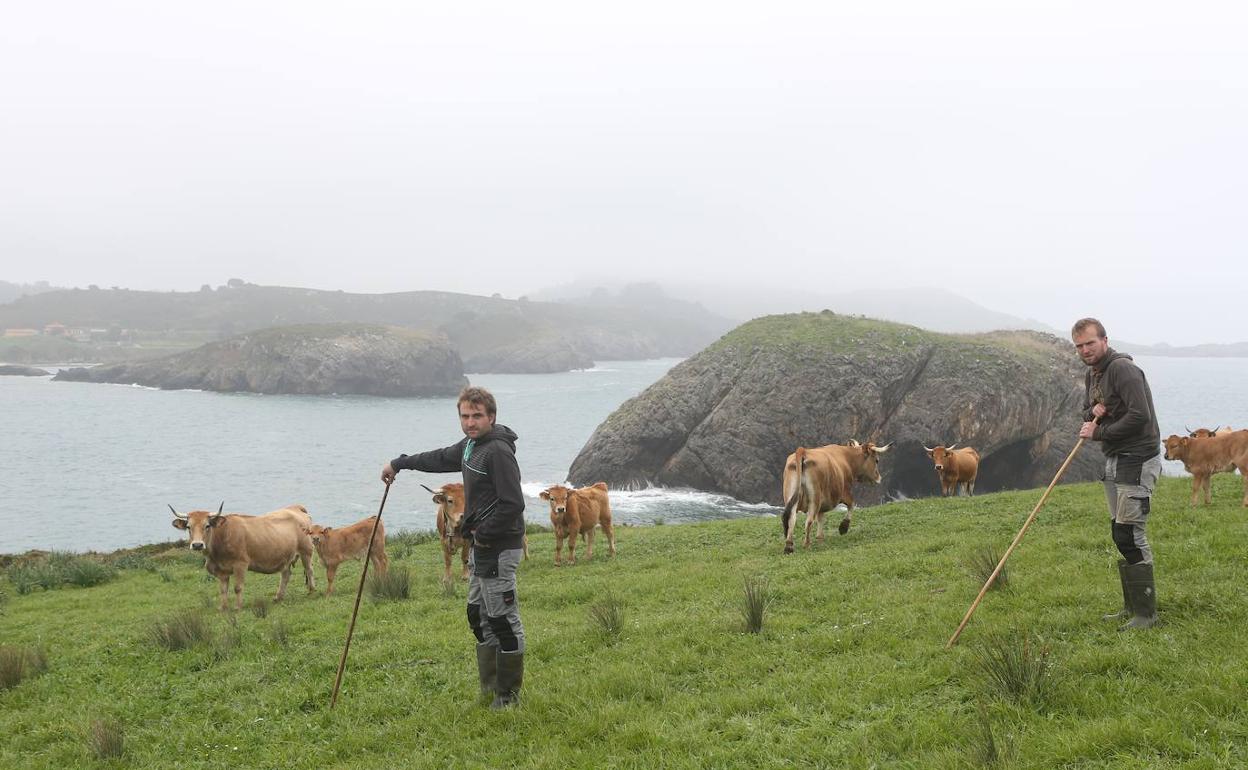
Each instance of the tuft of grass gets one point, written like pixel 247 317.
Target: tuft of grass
pixel 450 588
pixel 86 573
pixel 18 663
pixel 659 521
pixel 260 606
pixel 179 631
pixel 1017 668
pixel 394 584
pixel 982 562
pixel 106 738
pixel 757 597
pixel 608 615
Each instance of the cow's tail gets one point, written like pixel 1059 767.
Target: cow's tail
pixel 790 505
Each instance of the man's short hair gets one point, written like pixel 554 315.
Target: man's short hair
pixel 1084 323
pixel 479 396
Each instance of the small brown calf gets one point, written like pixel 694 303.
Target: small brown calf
pixel 338 544
pixel 576 512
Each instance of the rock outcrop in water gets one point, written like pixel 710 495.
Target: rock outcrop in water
pixel 726 419
pixel 316 360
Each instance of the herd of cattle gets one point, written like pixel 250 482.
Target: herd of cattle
pixel 815 480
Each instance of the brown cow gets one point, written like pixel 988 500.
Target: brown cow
pixel 450 500
pixel 1203 457
pixel 818 479
pixel 338 544
pixel 235 543
pixel 955 467
pixel 578 511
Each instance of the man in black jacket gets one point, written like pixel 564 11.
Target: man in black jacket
pixel 494 522
pixel 1118 412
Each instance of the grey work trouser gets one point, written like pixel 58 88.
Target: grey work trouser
pixel 493 606
pixel 1129 498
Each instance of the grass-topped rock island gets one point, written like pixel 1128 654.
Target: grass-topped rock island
pixel 725 419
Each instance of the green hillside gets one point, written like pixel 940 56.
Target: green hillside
pixel 849 669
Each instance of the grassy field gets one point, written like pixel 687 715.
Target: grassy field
pixel 848 670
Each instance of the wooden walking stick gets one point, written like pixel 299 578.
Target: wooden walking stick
pixel 342 664
pixel 988 584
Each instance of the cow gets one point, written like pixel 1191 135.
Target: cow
pixel 576 512
pixel 818 479
pixel 234 543
pixel 450 500
pixel 955 467
pixel 1203 457
pixel 338 544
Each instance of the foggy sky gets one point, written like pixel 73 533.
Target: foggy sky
pixel 1047 159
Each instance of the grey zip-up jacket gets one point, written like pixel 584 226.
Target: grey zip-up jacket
pixel 1129 426
pixel 493 502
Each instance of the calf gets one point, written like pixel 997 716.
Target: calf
pixel 338 544
pixel 234 543
pixel 1203 457
pixel 955 467
pixel 576 512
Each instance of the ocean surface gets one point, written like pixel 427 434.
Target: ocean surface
pixel 85 466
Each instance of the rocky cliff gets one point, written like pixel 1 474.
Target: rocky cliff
pixel 726 419
pixel 316 359
pixel 15 370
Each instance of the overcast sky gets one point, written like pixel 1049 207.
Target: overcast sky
pixel 1048 159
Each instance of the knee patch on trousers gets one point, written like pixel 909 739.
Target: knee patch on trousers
pixel 502 629
pixel 1124 538
pixel 474 621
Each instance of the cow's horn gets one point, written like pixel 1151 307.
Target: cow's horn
pixel 882 449
pixel 1215 430
pixel 183 517
pixel 854 442
pixel 950 447
pixel 430 491
pixel 1189 430
pixel 929 449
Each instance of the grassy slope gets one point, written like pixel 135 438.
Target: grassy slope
pixel 849 670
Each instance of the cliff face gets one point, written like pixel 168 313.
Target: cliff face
pixel 318 360
pixel 726 419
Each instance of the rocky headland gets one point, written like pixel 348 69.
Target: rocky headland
pixel 318 359
pixel 726 419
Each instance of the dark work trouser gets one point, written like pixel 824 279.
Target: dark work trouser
pixel 1129 483
pixel 493 606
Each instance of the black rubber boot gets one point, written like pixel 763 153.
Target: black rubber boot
pixel 1143 596
pixel 510 677
pixel 1126 611
pixel 487 669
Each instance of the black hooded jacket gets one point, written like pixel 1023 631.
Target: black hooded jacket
pixel 493 502
pixel 1129 426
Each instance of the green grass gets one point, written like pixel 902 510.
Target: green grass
pixel 849 669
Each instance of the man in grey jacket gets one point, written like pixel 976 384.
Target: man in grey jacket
pixel 494 523
pixel 1118 412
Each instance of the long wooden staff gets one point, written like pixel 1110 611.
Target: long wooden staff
pixel 988 584
pixel 342 664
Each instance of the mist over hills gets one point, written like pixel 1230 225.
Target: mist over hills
pixel 490 333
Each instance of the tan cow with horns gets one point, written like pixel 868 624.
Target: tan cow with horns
pixel 234 543
pixel 818 479
pixel 955 467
